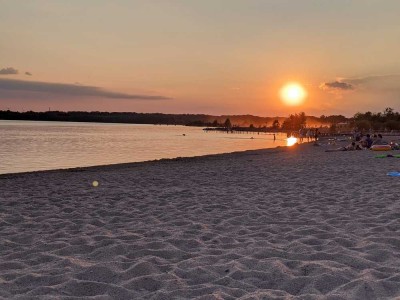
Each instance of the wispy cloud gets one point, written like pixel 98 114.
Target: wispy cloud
pixel 386 83
pixel 374 83
pixel 8 71
pixel 336 85
pixel 69 90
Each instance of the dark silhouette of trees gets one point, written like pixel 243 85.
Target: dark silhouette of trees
pixel 333 119
pixel 137 118
pixel 276 125
pixel 295 122
pixel 387 120
pixel 363 124
pixel 228 123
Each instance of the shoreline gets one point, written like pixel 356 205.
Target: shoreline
pixel 85 146
pixel 129 164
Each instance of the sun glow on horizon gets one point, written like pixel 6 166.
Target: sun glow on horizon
pixel 293 94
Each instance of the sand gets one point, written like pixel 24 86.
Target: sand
pixel 294 223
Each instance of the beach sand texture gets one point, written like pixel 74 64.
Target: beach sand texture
pixel 285 223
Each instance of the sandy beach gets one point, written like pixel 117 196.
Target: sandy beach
pixel 285 223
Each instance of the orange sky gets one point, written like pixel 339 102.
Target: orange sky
pixel 213 57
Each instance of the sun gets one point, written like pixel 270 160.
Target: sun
pixel 293 94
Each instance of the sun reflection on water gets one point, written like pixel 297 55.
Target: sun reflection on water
pixel 291 141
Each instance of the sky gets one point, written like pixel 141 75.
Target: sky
pixel 204 56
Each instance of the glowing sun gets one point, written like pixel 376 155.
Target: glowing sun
pixel 293 94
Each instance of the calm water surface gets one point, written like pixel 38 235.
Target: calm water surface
pixel 32 146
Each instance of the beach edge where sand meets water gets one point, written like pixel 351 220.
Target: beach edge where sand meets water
pixel 276 223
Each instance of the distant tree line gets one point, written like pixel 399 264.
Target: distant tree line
pixel 387 120
pixel 139 118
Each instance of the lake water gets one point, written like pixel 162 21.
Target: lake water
pixel 32 146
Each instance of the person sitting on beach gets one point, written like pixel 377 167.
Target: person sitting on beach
pixel 369 141
pixel 351 147
pixel 366 141
pixel 380 141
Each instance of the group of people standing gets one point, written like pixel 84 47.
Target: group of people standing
pixel 311 134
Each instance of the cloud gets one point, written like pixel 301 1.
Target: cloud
pixel 28 73
pixel 373 84
pixel 8 71
pixel 69 90
pixel 371 92
pixel 336 85
pixel 377 83
pixel 373 79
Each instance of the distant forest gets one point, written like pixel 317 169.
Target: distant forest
pixel 167 119
pixel 387 120
pixel 139 118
